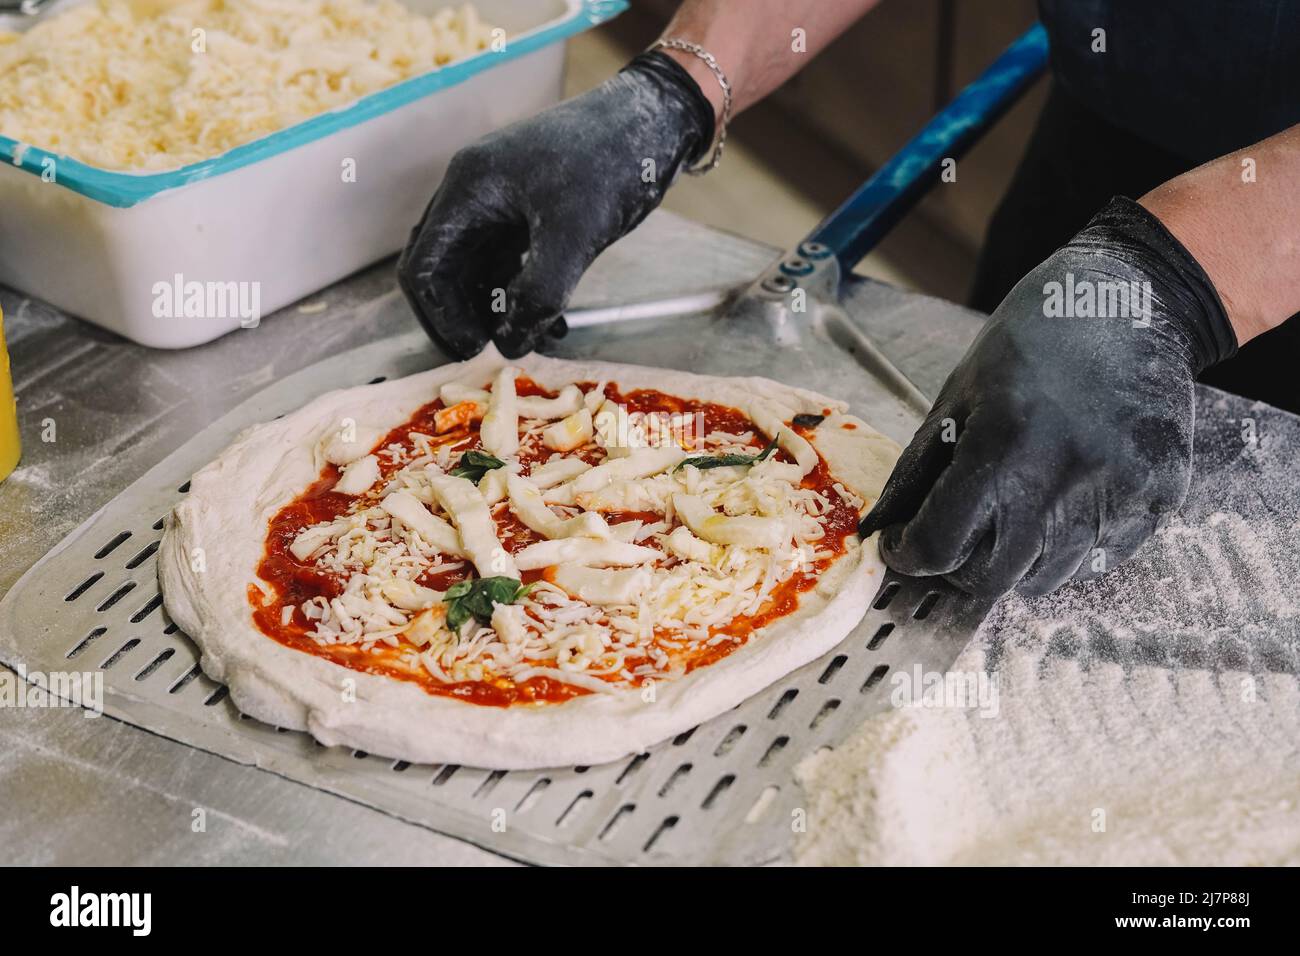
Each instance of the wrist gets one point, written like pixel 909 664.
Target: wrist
pixel 1186 300
pixel 704 80
pixel 702 57
pixel 1183 217
pixel 686 105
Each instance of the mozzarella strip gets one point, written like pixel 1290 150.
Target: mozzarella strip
pixel 527 505
pixel 622 495
pixel 560 495
pixel 469 512
pixel 595 398
pixel 789 441
pixel 549 409
pixel 409 510
pixel 545 554
pixel 747 531
pixel 358 477
pixel 603 588
pixel 453 393
pixel 690 548
pixel 554 472
pixel 408 595
pixel 640 463
pixel 606 421
pixel 493 485
pixel 457 416
pixel 569 433
pixel 499 433
pixel 625 531
pixel 338 451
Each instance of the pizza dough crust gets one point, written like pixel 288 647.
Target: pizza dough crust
pixel 224 519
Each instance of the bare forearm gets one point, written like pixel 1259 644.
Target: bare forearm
pixel 755 41
pixel 1239 215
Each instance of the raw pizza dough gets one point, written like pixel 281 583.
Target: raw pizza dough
pixel 225 516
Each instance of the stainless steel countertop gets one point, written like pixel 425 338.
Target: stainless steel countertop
pixel 96 791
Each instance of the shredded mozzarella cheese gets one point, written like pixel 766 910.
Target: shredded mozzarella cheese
pixel 151 85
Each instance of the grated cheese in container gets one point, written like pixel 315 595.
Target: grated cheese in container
pixel 174 170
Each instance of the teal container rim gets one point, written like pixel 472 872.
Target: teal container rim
pixel 124 189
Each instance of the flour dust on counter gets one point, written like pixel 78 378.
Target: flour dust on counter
pixel 1151 716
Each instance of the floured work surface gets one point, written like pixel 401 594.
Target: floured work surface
pixel 1149 717
pixel 722 792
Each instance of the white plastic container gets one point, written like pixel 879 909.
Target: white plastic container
pixel 272 220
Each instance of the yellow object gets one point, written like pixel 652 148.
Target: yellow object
pixel 10 448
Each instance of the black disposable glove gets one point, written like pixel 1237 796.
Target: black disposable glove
pixel 527 208
pixel 1073 436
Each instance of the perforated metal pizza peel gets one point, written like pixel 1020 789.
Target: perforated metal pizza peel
pixel 721 793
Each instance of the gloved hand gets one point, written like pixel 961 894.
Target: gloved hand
pixel 527 208
pixel 1059 443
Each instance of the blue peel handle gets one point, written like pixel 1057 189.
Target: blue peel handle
pixel 853 229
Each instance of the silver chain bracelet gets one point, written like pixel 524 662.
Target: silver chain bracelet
pixel 686 46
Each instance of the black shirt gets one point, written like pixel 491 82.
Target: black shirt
pixel 1197 77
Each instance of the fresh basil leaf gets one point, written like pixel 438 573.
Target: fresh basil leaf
pixel 457 614
pixel 808 421
pixel 501 588
pixel 717 461
pixel 477 605
pixel 475 598
pixel 459 589
pixel 704 462
pixel 475 464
